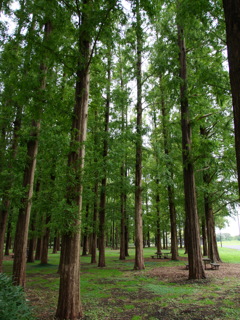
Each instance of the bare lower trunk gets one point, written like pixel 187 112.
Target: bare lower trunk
pixel 102 208
pixel 45 242
pixel 31 247
pixel 196 270
pixel 8 239
pixel 123 217
pixel 69 304
pixel 204 238
pixel 213 253
pixel 158 223
pixel 38 252
pixel 95 218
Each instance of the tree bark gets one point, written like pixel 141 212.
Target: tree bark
pixel 45 241
pixel 102 207
pixel 170 189
pixel 21 236
pixel 139 260
pixel 196 270
pixel 38 252
pixel 69 304
pixel 204 237
pixel 95 219
pixel 123 174
pixel 232 18
pixel 158 220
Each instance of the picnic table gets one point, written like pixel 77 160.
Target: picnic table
pixel 214 265
pixel 157 255
pixel 206 261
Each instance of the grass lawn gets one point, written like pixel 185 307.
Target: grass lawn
pixel 119 292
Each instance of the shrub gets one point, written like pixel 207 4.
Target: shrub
pixel 12 301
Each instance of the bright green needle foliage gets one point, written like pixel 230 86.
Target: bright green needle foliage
pixel 12 301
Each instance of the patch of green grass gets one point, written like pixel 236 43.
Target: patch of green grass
pixel 129 307
pixel 169 290
pixel 104 291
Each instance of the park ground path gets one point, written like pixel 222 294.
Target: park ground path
pixel 237 247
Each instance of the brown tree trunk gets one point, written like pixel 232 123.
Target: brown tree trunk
pixel 8 238
pixel 213 253
pixel 126 239
pixel 38 252
pixel 158 221
pixel 204 237
pixel 69 304
pixel 56 243
pixel 170 189
pixel 123 220
pixel 45 242
pixel 139 260
pixel 95 218
pixel 85 234
pixel 232 18
pixel 102 207
pixel 196 270
pixel 95 204
pixel 180 238
pixel 21 236
pixel 123 174
pixel 31 247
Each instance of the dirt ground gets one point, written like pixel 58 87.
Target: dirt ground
pixel 178 273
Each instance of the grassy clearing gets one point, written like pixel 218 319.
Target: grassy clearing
pixel 119 292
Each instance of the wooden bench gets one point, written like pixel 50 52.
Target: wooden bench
pixel 187 266
pixel 215 266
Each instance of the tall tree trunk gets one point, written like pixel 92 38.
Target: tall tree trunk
pixel 196 270
pixel 69 304
pixel 102 208
pixel 139 260
pixel 232 18
pixel 21 236
pixel 123 173
pixel 170 189
pixel 95 202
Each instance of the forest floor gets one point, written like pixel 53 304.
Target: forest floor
pixel 161 291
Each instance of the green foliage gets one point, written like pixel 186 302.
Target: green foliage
pixel 13 304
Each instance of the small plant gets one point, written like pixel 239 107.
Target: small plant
pixel 12 301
